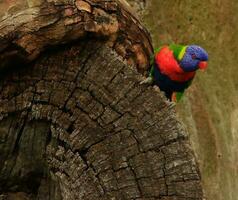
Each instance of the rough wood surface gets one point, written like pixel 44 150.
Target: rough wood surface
pixel 78 125
pixel 75 123
pixel 28 27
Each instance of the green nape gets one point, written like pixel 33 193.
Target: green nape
pixel 176 48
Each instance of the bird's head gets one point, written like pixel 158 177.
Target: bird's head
pixel 193 57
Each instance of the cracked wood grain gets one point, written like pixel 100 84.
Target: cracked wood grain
pixel 74 121
pixel 76 124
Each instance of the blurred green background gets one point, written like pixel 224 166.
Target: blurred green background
pixel 209 109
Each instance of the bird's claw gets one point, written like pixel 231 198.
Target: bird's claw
pixel 174 97
pixel 171 103
pixel 148 80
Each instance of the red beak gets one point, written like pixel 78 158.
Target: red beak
pixel 202 65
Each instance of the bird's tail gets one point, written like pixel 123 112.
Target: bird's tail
pixel 176 96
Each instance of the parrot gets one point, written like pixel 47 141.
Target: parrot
pixel 173 67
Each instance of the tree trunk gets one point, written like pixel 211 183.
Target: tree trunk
pixel 75 122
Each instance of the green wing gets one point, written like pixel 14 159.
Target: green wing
pixel 152 62
pixel 156 50
pixel 179 95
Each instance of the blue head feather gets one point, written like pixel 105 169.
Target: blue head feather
pixel 193 56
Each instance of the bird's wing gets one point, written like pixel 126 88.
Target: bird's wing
pixel 156 50
pixel 177 96
pixel 152 61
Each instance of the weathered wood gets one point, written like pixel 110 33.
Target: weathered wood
pixel 80 118
pixel 76 123
pixel 29 27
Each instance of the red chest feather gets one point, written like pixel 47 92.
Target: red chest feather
pixel 169 66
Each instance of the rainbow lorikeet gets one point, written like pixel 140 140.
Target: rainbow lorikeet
pixel 173 68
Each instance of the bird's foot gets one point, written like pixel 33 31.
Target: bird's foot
pixel 174 97
pixel 170 103
pixel 148 80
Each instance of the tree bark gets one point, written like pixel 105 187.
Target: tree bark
pixel 75 122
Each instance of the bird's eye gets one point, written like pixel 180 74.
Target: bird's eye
pixel 194 56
